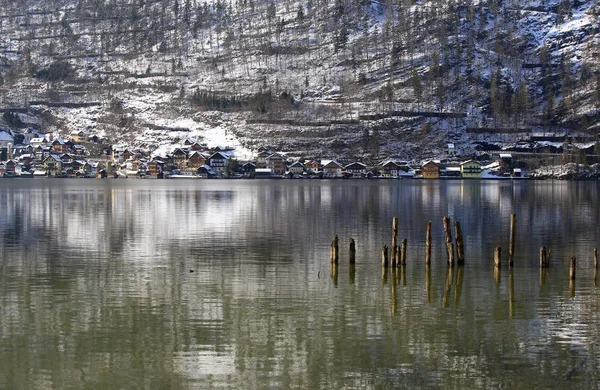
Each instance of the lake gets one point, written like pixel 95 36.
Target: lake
pixel 183 284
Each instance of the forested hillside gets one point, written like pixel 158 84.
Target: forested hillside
pixel 372 79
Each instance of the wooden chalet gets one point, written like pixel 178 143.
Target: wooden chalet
pixel 430 170
pixel 195 160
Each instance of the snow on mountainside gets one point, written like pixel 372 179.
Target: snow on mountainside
pixel 359 78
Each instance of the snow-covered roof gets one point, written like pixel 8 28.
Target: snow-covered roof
pixel 470 162
pixel 505 155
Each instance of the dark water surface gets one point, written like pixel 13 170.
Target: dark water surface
pixel 96 288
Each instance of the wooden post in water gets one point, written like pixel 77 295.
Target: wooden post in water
pixel 428 244
pixel 403 253
pixel 352 252
pixel 384 256
pixel 572 268
pixel 544 259
pixel 498 256
pixel 333 252
pixel 394 239
pixel 352 273
pixel 511 248
pixel 397 260
pixel 449 244
pixel 460 248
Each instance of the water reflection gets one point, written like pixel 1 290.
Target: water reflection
pixel 96 289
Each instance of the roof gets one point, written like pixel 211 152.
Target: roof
pixel 265 153
pixel 332 164
pixel 356 163
pixel 54 157
pixel 195 152
pixel 389 162
pixel 470 162
pixel 263 170
pixel 297 164
pixel 219 155
pixel 505 155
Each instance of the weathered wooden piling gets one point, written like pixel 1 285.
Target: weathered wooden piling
pixel 428 244
pixel 544 259
pixel 394 239
pixel 403 252
pixel 449 244
pixel 352 252
pixel 572 268
pixel 460 247
pixel 511 248
pixel 352 273
pixel 384 256
pixel 498 256
pixel 595 258
pixel 397 260
pixel 334 251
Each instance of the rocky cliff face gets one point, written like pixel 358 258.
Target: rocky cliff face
pixel 364 78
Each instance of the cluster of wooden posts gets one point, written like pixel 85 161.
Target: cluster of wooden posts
pixel 398 252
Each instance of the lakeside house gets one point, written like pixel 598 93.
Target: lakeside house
pixel 430 170
pixel 276 163
pixel 219 162
pixel 312 166
pixel 296 168
pixel 332 169
pixel 470 169
pixel 356 169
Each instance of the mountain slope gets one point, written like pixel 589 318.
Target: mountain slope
pixel 344 78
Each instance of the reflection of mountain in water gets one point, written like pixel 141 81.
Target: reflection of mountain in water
pixel 95 284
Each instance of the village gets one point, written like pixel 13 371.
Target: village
pixel 84 155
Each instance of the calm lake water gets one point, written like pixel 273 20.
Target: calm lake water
pixel 97 289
